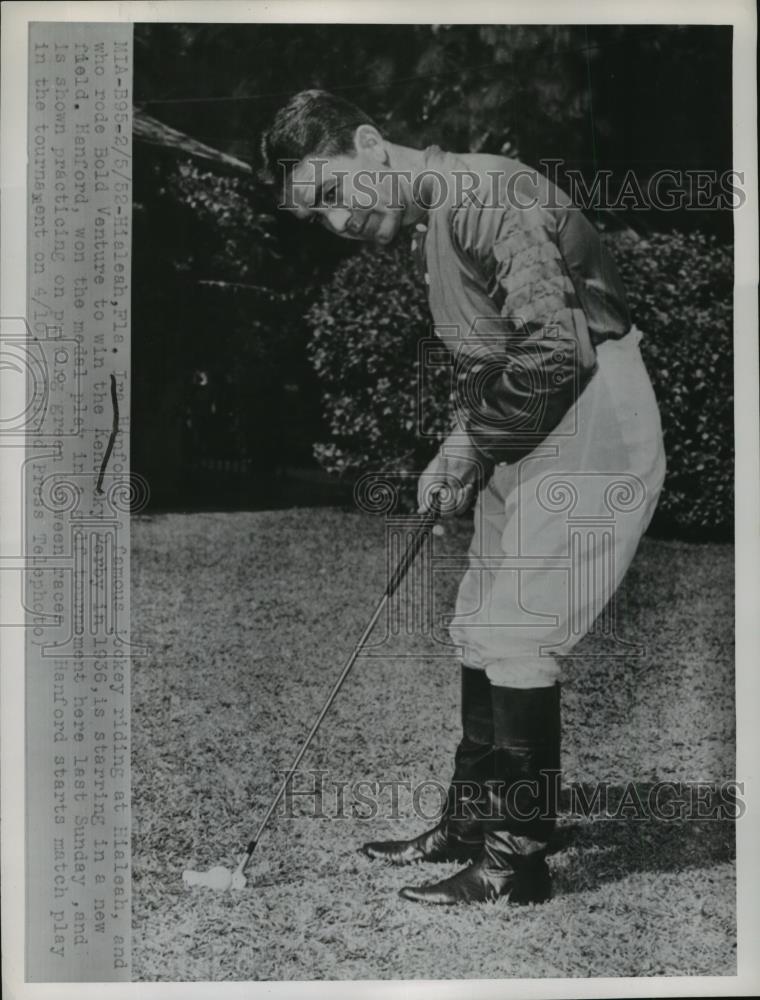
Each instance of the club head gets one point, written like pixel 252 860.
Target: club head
pixel 218 878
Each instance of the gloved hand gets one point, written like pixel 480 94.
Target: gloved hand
pixel 453 476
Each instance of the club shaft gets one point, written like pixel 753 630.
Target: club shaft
pixel 414 546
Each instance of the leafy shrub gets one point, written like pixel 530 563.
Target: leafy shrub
pixel 366 326
pixel 369 320
pixel 218 336
pixel 680 288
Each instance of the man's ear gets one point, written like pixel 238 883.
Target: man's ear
pixel 368 140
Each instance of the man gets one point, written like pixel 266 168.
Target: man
pixel 556 424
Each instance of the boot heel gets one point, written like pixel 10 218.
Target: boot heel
pixel 531 887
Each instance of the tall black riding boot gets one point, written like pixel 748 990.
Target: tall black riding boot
pixel 524 800
pixel 457 836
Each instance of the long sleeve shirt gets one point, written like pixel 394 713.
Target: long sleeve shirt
pixel 521 290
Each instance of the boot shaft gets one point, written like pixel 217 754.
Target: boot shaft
pixel 473 761
pixel 524 795
pixel 526 718
pixel 477 709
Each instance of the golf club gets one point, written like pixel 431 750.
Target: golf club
pixel 222 878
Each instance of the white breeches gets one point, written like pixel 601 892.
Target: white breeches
pixel 555 532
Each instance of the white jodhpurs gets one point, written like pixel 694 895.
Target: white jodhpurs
pixel 555 532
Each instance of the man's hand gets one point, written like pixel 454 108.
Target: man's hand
pixel 452 476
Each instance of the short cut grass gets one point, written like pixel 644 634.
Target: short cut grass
pixel 241 652
pixel 312 123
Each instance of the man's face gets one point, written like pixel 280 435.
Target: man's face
pixel 354 196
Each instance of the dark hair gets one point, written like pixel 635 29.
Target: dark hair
pixel 312 123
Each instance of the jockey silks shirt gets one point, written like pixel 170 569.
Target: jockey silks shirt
pixel 521 290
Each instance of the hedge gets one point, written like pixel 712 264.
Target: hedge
pixel 369 321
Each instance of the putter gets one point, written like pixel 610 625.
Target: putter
pixel 222 878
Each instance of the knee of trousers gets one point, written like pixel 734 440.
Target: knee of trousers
pixel 524 672
pixel 517 671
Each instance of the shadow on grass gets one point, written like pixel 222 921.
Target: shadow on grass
pixel 590 852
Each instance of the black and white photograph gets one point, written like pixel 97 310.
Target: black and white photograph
pixel 395 629
pixel 345 237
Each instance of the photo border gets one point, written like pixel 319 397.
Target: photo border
pixel 15 18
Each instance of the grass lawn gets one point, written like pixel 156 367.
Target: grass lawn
pixel 249 618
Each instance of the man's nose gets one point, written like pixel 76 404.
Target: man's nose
pixel 337 218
